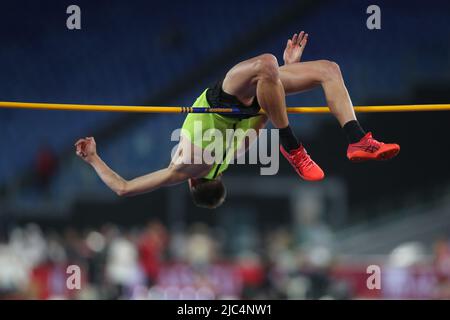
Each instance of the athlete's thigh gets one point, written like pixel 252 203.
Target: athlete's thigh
pixel 300 77
pixel 252 128
pixel 241 81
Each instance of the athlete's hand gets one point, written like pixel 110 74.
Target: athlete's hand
pixel 294 48
pixel 86 149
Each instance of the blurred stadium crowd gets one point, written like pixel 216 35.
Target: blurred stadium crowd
pixel 153 263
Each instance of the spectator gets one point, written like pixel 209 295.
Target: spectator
pixel 46 166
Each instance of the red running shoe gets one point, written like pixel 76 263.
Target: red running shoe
pixel 303 164
pixel 370 149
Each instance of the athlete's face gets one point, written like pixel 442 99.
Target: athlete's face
pixel 194 182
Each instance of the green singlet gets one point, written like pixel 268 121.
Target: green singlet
pixel 219 122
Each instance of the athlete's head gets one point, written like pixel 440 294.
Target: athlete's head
pixel 208 193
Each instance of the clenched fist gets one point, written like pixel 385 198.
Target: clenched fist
pixel 86 149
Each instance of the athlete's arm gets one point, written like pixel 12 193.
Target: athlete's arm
pixel 174 174
pixel 294 48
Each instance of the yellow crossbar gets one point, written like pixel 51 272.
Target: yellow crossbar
pixel 168 109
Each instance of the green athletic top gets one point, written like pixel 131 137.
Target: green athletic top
pixel 219 122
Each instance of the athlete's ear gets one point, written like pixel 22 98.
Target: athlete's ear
pixel 192 183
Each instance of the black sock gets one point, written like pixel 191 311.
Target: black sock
pixel 353 131
pixel 288 139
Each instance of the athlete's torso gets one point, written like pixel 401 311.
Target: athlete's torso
pixel 196 125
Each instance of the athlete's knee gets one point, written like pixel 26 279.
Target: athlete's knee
pixel 266 67
pixel 329 70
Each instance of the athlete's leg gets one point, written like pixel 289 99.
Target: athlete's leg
pixel 299 77
pixel 260 77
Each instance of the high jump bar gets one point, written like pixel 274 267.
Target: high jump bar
pixel 174 109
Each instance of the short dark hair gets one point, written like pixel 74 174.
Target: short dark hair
pixel 208 193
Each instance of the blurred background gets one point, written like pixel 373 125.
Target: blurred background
pixel 276 236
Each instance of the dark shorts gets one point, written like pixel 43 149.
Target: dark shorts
pixel 218 98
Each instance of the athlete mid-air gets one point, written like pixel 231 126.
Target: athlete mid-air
pixel 255 83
